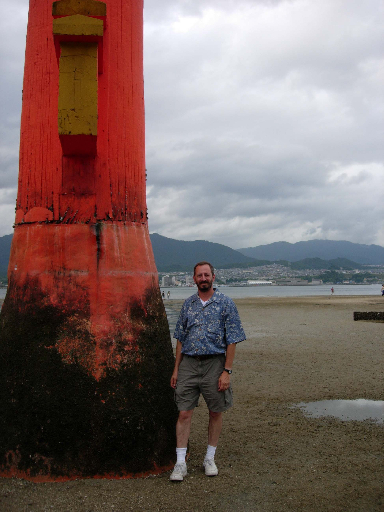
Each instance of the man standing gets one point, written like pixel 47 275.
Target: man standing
pixel 207 332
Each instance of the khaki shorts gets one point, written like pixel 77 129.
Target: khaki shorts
pixel 197 376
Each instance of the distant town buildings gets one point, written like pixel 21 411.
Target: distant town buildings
pixel 275 275
pixel 166 281
pixel 258 283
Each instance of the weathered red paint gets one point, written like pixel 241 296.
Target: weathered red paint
pixel 63 198
pixel 116 177
pixel 40 479
pixel 117 268
pixel 81 238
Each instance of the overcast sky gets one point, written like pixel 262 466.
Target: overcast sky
pixel 264 119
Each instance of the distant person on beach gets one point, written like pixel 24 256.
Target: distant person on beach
pixel 332 290
pixel 163 294
pixel 168 294
pixel 207 332
pixel 382 290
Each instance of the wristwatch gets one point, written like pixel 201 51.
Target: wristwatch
pixel 228 371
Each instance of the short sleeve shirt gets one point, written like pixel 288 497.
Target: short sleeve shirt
pixel 209 328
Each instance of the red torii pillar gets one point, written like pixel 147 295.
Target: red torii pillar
pixel 85 351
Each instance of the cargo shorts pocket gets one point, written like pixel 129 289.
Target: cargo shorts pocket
pixel 228 396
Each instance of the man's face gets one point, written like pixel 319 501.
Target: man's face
pixel 203 278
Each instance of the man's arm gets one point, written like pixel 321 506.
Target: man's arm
pixel 179 357
pixel 225 378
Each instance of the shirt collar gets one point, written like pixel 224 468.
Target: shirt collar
pixel 214 297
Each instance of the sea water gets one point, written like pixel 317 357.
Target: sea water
pixel 244 292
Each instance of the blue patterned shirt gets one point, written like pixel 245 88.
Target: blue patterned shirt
pixel 210 328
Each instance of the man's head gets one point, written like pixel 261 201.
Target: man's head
pixel 204 275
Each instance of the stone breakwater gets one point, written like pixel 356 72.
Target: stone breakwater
pixel 377 316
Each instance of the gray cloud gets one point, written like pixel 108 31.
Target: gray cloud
pixel 264 119
pixel 260 106
pixel 13 25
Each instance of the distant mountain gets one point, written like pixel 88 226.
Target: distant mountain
pixel 324 249
pixel 319 264
pixel 175 255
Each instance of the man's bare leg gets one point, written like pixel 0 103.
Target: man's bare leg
pixel 214 427
pixel 183 428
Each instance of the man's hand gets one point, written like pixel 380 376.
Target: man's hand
pixel 179 357
pixel 174 379
pixel 224 381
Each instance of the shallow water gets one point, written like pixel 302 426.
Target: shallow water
pixel 172 316
pixel 346 410
pixel 243 292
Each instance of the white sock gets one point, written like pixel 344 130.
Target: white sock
pixel 181 453
pixel 210 452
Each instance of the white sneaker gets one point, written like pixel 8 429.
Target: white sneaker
pixel 179 472
pixel 210 467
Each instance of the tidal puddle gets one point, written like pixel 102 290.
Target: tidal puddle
pixel 172 316
pixel 346 410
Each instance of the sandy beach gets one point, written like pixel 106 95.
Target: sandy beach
pixel 271 456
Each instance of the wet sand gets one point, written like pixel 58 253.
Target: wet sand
pixel 271 457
